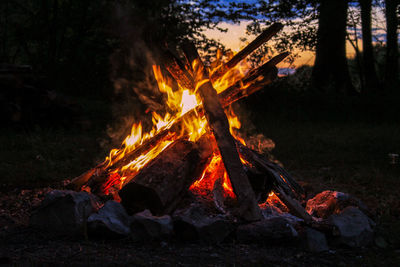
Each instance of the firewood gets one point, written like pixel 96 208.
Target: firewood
pixel 293 205
pixel 285 187
pixel 161 183
pixel 177 69
pixel 256 43
pixel 227 97
pixel 218 122
pixel 278 175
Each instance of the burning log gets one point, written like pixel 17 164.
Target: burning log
pixel 253 82
pixel 283 185
pixel 262 38
pixel 218 122
pixel 160 184
pixel 177 69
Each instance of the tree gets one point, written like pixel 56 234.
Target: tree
pixel 371 79
pixel 330 67
pixel 391 66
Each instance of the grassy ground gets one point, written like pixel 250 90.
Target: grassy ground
pixel 33 156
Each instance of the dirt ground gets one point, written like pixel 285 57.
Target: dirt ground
pixel 22 245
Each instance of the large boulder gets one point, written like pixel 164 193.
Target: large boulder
pixel 110 221
pixel 328 202
pixel 64 211
pixel 354 227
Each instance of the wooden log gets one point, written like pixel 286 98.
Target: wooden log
pixel 218 122
pixel 176 68
pixel 160 184
pixel 227 97
pixel 282 184
pixel 275 173
pixel 293 205
pixel 256 43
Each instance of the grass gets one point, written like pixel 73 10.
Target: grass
pixel 41 156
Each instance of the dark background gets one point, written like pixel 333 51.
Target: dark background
pixel 334 124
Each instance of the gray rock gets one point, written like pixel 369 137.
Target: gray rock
pixel 64 211
pixel 266 231
pixel 328 202
pixel 145 226
pixel 193 223
pixel 315 241
pixel 111 220
pixel 354 227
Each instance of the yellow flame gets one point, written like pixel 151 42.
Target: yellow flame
pixel 179 102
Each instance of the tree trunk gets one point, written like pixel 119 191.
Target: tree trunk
pixel 392 67
pixel 371 78
pixel 330 66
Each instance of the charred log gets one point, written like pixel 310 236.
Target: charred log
pixel 253 82
pixel 161 183
pixel 218 122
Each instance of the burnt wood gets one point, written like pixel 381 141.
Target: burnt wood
pixel 283 185
pixel 160 184
pixel 278 175
pixel 226 97
pixel 218 122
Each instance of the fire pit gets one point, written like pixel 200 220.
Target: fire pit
pixel 192 176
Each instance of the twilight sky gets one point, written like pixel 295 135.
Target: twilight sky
pixel 231 39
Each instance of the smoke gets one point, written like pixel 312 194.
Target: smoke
pixel 136 93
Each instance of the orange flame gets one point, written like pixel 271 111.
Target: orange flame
pixel 179 102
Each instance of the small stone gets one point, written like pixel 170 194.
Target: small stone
pixel 110 221
pixel 64 211
pixel 354 227
pixel 328 202
pixel 266 231
pixel 145 226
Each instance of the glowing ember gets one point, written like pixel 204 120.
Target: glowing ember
pixel 179 102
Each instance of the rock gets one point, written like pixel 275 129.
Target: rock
pixel 64 211
pixel 354 227
pixel 315 241
pixel 145 226
pixel 193 223
pixel 110 221
pixel 266 231
pixel 328 202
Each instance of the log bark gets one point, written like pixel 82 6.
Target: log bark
pixel 218 122
pixel 160 185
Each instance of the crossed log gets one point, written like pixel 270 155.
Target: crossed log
pixel 200 82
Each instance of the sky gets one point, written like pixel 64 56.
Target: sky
pixel 231 39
